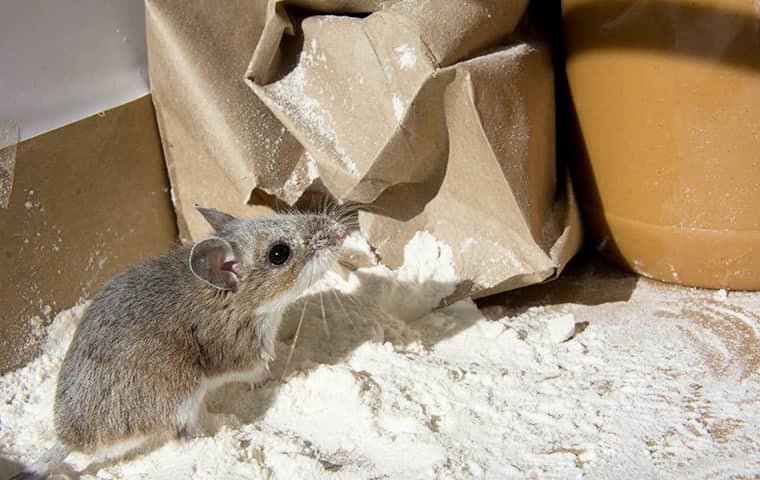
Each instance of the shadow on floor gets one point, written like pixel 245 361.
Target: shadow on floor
pixel 8 468
pixel 587 280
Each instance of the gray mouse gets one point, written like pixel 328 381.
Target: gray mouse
pixel 162 334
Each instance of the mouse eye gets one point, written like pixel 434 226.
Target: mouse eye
pixel 279 254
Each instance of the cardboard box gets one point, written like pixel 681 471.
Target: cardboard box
pixel 88 200
pixel 86 192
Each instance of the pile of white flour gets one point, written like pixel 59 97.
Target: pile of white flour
pixel 662 384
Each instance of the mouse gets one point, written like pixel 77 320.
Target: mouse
pixel 162 334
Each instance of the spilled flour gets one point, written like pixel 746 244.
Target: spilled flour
pixel 597 375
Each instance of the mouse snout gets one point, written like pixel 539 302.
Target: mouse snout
pixel 337 234
pixel 330 237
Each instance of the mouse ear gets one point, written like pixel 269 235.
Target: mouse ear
pixel 213 261
pixel 214 217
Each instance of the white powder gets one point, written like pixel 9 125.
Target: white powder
pixel 398 108
pixel 302 176
pixel 561 328
pixel 661 385
pixel 406 56
pixel 26 395
pixel 290 95
pixel 312 170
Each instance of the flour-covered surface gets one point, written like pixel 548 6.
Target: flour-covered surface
pixel 597 375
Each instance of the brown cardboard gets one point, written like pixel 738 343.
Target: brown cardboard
pixel 665 95
pixel 434 115
pixel 88 200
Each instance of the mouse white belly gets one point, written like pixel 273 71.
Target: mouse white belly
pixel 192 408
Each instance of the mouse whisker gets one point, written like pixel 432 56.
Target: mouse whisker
pixel 352 299
pixel 293 345
pixel 330 205
pixel 351 222
pixel 342 307
pixel 298 329
pixel 350 226
pixel 324 317
pixel 346 216
pixel 347 209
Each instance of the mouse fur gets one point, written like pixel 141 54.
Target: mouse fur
pixel 161 334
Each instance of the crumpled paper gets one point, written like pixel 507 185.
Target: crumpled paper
pixel 436 116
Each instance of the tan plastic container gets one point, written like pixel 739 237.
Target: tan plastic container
pixel 667 100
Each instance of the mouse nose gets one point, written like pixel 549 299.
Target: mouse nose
pixel 338 235
pixel 332 236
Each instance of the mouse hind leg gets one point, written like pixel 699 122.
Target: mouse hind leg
pixel 125 448
pixel 121 450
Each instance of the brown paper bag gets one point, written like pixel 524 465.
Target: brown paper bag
pixel 432 113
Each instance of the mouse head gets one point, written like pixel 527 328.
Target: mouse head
pixel 268 260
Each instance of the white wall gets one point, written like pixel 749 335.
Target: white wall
pixel 64 60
